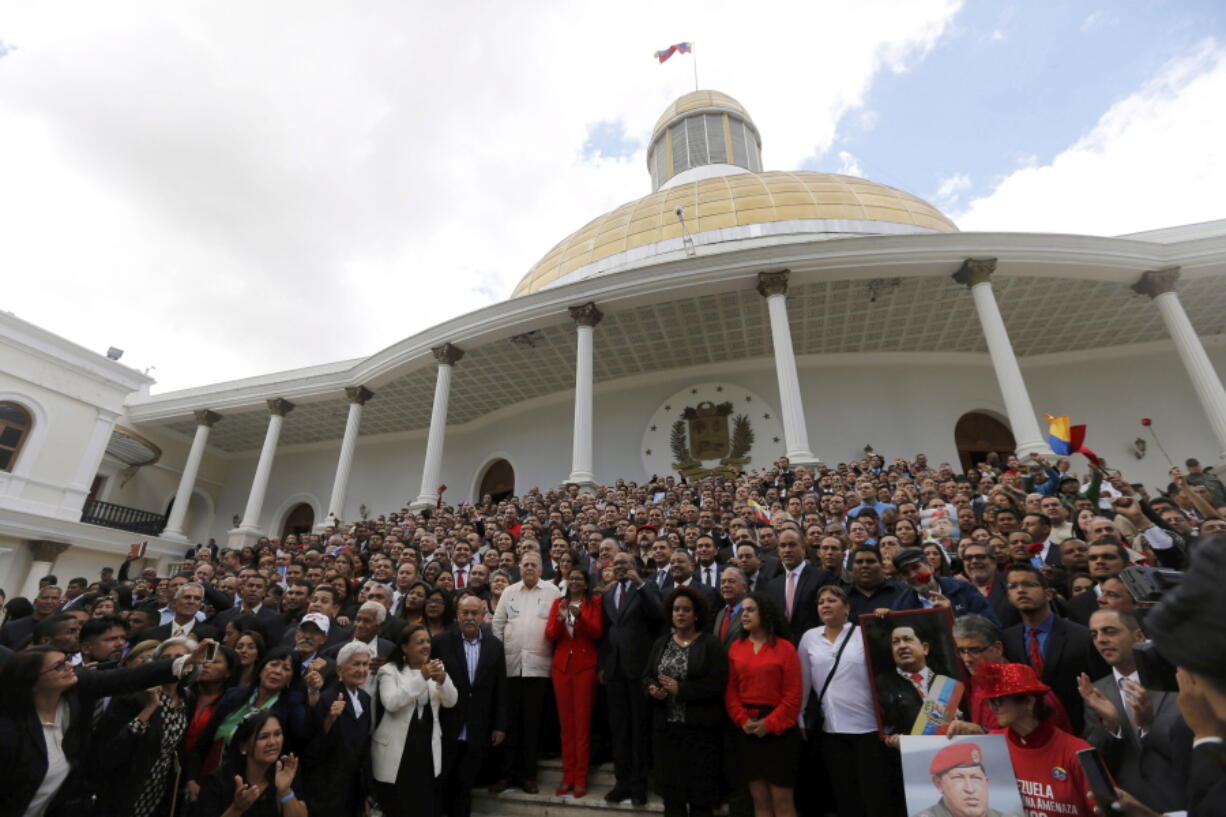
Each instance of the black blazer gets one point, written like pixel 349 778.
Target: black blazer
pixel 702 691
pixel 1207 781
pixel 23 749
pixel 700 575
pixel 291 706
pixel 383 647
pixel 998 598
pixel 482 705
pixel 630 632
pixel 121 756
pixel 804 605
pixel 1070 652
pixel 336 763
pixel 1080 608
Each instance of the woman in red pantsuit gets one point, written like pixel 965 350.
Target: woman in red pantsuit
pixel 575 623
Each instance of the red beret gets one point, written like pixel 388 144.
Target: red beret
pixel 954 755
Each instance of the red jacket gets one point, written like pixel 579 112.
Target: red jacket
pixel 1048 773
pixel 575 653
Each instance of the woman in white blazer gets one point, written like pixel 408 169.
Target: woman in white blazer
pixel 407 746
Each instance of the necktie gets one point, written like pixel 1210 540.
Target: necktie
pixel 459 578
pixel 661 577
pixel 178 632
pixel 710 582
pixel 917 678
pixel 723 628
pixel 1036 653
pixel 790 596
pixel 621 596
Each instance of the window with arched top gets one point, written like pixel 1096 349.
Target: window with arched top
pixel 15 425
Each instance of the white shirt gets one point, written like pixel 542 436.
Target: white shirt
pixel 1126 713
pixel 57 763
pixel 848 705
pixel 519 623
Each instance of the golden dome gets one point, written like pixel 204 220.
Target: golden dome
pixel 695 100
pixel 736 201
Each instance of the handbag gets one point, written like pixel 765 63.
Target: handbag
pixel 815 718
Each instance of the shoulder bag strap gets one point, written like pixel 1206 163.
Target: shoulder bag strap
pixel 838 656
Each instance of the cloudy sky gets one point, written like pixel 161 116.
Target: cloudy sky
pixel 228 189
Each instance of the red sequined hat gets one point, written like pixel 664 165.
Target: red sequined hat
pixel 998 680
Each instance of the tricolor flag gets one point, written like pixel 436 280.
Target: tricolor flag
pixel 760 513
pixel 677 48
pixel 1066 439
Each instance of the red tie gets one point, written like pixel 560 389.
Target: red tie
pixel 1036 654
pixel 459 578
pixel 917 678
pixel 723 628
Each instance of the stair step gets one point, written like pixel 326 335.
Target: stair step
pixel 549 774
pixel 515 803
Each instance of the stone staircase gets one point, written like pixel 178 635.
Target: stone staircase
pixel 515 803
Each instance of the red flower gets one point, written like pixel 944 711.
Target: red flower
pixel 923 578
pixel 1145 421
pixel 1034 548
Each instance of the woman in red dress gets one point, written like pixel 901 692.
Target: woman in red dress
pixel 1044 756
pixel 575 624
pixel 763 700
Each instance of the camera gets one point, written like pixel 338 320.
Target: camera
pixel 1146 585
pixel 1153 670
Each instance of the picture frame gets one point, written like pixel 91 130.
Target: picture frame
pixel 925 649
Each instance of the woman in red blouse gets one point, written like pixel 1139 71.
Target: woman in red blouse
pixel 763 699
pixel 574 627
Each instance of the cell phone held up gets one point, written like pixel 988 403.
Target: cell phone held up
pixel 1101 785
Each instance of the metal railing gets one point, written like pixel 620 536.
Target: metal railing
pixel 135 520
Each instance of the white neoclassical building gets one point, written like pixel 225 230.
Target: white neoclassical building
pixel 730 316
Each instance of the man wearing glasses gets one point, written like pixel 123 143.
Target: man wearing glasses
pixel 979 567
pixel 980 643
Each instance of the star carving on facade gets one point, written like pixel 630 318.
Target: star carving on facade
pixel 693 391
pixel 766 416
pixel 719 388
pixel 776 439
pixel 748 399
pixel 668 408
pixel 649 452
pixel 653 428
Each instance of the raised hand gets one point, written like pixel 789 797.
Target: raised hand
pixel 1098 702
pixel 287 767
pixel 244 795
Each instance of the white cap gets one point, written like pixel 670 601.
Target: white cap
pixel 319 620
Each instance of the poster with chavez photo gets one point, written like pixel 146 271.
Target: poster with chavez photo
pixel 917 678
pixel 969 776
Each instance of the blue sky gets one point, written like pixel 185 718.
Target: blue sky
pixel 1012 84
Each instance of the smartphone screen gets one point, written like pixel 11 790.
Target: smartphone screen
pixel 210 654
pixel 1098 777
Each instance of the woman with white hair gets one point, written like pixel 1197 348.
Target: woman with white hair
pixel 337 758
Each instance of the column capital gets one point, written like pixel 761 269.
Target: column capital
pixel 358 394
pixel 448 354
pixel 280 406
pixel 204 417
pixel 773 283
pixel 44 550
pixel 1156 282
pixel 975 271
pixel 585 315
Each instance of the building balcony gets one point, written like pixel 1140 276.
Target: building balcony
pixel 120 517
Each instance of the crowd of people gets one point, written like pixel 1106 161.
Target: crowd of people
pixel 702 635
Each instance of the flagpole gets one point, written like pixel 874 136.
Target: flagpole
pixel 694 54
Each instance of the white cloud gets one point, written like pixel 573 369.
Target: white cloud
pixel 1154 159
pixel 950 191
pixel 224 194
pixel 849 164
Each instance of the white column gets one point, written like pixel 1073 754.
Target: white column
pixel 277 409
pixel 773 286
pixel 581 459
pixel 205 420
pixel 358 395
pixel 447 356
pixel 976 273
pixel 1160 286
pixel 87 467
pixel 44 554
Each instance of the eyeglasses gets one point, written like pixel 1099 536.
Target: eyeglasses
pixel 975 557
pixel 972 651
pixel 58 666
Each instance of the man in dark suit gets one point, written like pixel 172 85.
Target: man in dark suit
pixel 732 590
pixel 681 574
pixel 188 600
pixel 632 614
pixel 902 689
pixel 1059 650
pixel 477 665
pixel 759 568
pixel 707 569
pixel 1133 727
pixel 795 592
pixel 253 592
pixel 1106 557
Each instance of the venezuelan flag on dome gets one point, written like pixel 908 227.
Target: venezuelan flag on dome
pixel 1066 439
pixel 677 48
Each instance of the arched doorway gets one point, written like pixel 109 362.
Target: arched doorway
pixel 498 481
pixel 299 520
pixel 978 434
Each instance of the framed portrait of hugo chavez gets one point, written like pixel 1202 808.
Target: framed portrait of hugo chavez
pixel 917 679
